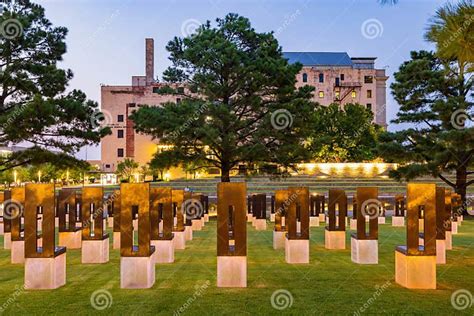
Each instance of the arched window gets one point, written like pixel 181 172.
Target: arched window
pixel 321 77
pixel 305 77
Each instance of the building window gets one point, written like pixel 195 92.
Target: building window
pixel 337 82
pixel 107 166
pixel 342 77
pixel 180 90
pixel 178 100
pixel 354 94
pixel 368 79
pixel 321 78
pixel 369 106
pixel 305 77
pixel 369 94
pixel 337 94
pixel 119 152
pixel 321 94
pixel 120 118
pixel 156 89
pixel 120 133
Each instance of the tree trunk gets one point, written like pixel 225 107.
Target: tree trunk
pixel 461 180
pixel 225 172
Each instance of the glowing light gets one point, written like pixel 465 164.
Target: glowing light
pixel 167 176
pixel 39 175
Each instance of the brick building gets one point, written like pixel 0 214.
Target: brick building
pixel 336 77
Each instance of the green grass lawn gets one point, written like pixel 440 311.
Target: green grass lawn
pixel 330 284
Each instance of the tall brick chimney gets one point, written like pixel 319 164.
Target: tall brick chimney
pixel 149 61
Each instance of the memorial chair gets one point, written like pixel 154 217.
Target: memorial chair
pixel 364 245
pixel 45 263
pixel 178 219
pixel 137 268
pixel 335 232
pixel 161 217
pixel 231 235
pixel 16 214
pixel 95 239
pixel 415 264
pixel 297 237
pixel 281 209
pixel 398 218
pixel 259 208
pixel 70 236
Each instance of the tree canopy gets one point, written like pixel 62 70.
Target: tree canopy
pixel 34 105
pixel 344 134
pixel 239 101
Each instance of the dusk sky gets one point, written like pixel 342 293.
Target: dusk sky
pixel 107 37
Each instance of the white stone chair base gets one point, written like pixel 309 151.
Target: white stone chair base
pixel 334 239
pixel 313 221
pixel 45 273
pixel 322 218
pixel 272 217
pixel 449 240
pixel 95 251
pixel 196 224
pixel 367 218
pixel 18 252
pixel 398 221
pixel 440 249
pixel 415 272
pixel 253 220
pixel 249 218
pixel 381 220
pixel 164 251
pixel 70 240
pixel 461 218
pixel 7 240
pixel 231 271
pixel 110 222
pixel 203 222
pixel 2 229
pixel 175 221
pixel 353 224
pixel 116 240
pixel 56 222
pixel 454 228
pixel 179 240
pixel 137 272
pixel 260 224
pixel 296 250
pixel 278 240
pixel 188 232
pixel 364 251
pixel 206 218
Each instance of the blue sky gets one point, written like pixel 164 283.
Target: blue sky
pixel 106 37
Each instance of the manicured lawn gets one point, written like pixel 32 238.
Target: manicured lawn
pixel 330 284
